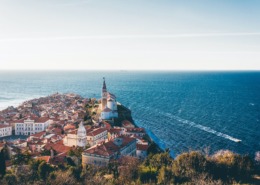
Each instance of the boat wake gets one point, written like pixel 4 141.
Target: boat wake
pixel 204 128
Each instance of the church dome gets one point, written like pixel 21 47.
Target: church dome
pixel 81 130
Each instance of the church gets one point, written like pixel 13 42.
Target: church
pixel 77 137
pixel 108 104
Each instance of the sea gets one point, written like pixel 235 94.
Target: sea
pixel 181 110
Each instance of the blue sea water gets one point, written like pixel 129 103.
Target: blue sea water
pixel 182 110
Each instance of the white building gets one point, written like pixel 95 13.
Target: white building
pixel 97 136
pixel 108 104
pixel 31 125
pixel 82 138
pixel 141 150
pixel 5 130
pixel 76 137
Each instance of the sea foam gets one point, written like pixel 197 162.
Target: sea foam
pixel 201 127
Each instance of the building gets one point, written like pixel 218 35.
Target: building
pixel 108 104
pixel 82 138
pixel 76 137
pixel 114 149
pixel 127 124
pixel 141 150
pixel 138 132
pixel 96 136
pixel 31 125
pixel 5 130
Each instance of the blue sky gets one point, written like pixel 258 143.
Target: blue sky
pixel 130 34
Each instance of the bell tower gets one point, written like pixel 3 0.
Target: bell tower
pixel 104 95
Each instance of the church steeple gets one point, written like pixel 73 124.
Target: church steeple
pixel 104 94
pixel 104 85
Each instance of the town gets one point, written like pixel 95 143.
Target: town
pixel 51 128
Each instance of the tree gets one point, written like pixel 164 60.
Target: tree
pixel 228 166
pixel 165 176
pixel 162 159
pixel 146 174
pixel 61 178
pixel 113 168
pixel 153 149
pixel 43 170
pixel 10 179
pixel 34 165
pixel 21 158
pixel 2 164
pixel 190 164
pixel 75 172
pixel 128 170
pixel 70 162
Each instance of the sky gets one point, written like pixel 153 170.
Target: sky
pixel 129 35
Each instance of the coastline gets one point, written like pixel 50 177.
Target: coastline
pixel 159 143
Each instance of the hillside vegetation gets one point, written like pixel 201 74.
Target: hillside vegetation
pixel 193 167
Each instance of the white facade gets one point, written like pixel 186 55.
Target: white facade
pixel 106 114
pixel 141 150
pixel 76 137
pixel 97 136
pixel 31 126
pixel 5 130
pixel 108 104
pixel 81 136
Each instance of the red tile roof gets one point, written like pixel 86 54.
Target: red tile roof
pixel 109 148
pixel 41 119
pixel 39 134
pixel 2 145
pixel 18 121
pixel 135 130
pixel 127 123
pixel 44 158
pixel 69 126
pixel 115 131
pixel 58 147
pixel 96 131
pixel 34 118
pixel 4 126
pixel 56 130
pixel 107 125
pixel 73 131
pixel 142 147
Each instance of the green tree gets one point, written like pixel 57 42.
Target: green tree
pixel 162 159
pixel 190 164
pixel 70 161
pixel 43 170
pixel 2 164
pixel 153 149
pixel 147 175
pixel 75 172
pixel 10 179
pixel 228 166
pixel 34 165
pixel 21 158
pixel 165 176
pixel 113 168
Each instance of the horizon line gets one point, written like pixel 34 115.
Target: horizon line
pixel 148 36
